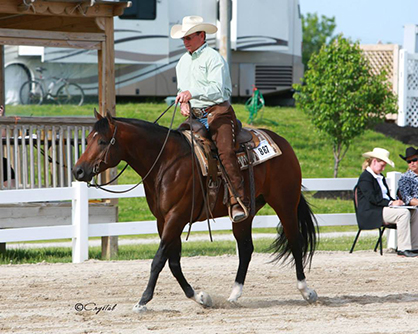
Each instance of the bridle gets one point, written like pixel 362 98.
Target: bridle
pixel 106 151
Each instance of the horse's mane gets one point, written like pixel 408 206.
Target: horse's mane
pixel 102 126
pixel 141 124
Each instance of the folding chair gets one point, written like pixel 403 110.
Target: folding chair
pixel 381 228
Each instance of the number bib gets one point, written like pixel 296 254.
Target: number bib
pixel 264 151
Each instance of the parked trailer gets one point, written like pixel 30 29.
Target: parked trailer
pixel 266 42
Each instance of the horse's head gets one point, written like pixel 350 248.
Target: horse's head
pixel 101 152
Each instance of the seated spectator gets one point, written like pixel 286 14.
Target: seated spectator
pixel 408 183
pixel 376 206
pixel 6 181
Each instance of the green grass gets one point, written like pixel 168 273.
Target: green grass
pixel 192 248
pixel 314 154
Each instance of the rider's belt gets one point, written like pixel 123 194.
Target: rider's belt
pixel 199 112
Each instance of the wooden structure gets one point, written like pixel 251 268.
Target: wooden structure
pixel 384 57
pixel 83 24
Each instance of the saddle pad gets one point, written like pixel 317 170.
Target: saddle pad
pixel 266 150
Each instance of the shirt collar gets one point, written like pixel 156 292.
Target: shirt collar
pixel 376 176
pixel 199 51
pixel 410 173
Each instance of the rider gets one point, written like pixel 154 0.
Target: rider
pixel 204 85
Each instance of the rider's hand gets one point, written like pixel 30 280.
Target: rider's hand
pixel 398 202
pixel 183 97
pixel 185 109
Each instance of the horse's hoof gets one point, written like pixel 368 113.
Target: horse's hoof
pixel 310 296
pixel 139 308
pixel 204 299
pixel 236 293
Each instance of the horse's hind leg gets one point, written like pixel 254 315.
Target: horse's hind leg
pixel 242 234
pixel 292 240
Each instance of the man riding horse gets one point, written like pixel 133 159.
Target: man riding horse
pixel 204 89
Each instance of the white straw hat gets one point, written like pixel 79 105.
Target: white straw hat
pixel 379 153
pixel 192 24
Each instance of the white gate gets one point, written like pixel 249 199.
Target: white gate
pixel 408 89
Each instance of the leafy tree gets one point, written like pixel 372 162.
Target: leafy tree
pixel 342 96
pixel 316 32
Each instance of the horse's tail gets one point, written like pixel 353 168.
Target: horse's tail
pixel 308 235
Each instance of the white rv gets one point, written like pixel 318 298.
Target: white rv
pixel 266 42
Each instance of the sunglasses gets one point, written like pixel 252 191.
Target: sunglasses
pixel 412 160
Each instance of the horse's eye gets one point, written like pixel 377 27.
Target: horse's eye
pixel 102 142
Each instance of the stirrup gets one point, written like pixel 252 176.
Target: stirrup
pixel 244 209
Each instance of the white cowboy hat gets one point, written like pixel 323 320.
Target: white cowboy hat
pixel 192 24
pixel 379 153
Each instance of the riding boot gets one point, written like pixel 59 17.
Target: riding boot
pixel 222 125
pixel 238 208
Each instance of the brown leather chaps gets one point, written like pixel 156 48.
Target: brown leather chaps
pixel 222 126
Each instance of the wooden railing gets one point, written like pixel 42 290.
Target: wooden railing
pixel 41 150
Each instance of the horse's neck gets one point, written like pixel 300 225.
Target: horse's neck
pixel 143 151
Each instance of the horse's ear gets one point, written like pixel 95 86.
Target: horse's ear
pixel 97 115
pixel 110 118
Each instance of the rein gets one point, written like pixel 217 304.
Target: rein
pixel 113 141
pixel 205 199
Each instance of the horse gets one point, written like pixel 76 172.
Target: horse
pixel 167 179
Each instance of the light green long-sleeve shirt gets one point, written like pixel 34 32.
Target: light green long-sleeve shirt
pixel 205 75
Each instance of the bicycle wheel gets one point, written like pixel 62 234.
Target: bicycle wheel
pixel 70 94
pixel 31 92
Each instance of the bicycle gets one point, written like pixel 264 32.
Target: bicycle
pixel 33 91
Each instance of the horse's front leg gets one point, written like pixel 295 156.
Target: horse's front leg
pixel 174 255
pixel 242 234
pixel 157 265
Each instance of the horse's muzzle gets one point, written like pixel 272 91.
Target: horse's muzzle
pixel 80 174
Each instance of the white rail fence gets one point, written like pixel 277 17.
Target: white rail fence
pixel 81 230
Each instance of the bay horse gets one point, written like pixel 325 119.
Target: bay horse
pixel 168 187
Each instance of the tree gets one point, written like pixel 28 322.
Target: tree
pixel 342 96
pixel 316 32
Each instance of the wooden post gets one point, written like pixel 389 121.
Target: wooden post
pixel 110 97
pixel 101 72
pixel 2 98
pixel 2 77
pixel 107 102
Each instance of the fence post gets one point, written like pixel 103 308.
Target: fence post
pixel 80 220
pixel 393 179
pixel 402 88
